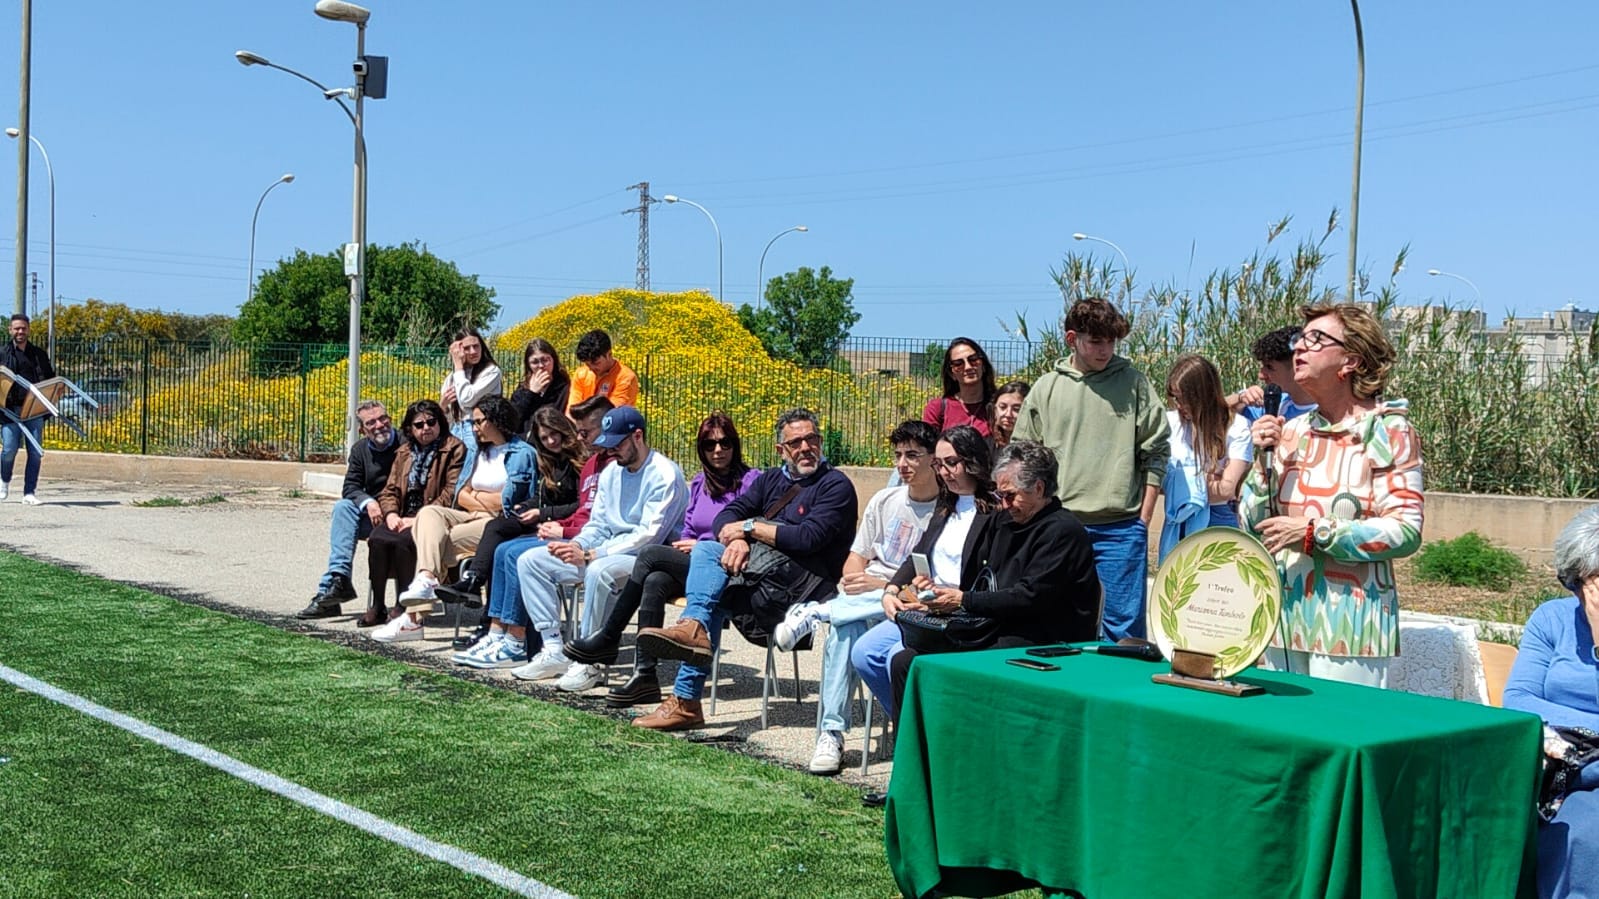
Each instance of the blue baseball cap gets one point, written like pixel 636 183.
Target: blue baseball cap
pixel 617 424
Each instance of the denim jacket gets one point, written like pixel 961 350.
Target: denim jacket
pixel 521 466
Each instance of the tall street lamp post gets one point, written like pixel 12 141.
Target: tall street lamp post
pixel 286 179
pixel 1437 273
pixel 1127 267
pixel 1360 108
pixel 14 133
pixel 760 270
pixel 675 199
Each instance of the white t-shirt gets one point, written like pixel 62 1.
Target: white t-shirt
pixel 488 474
pixel 946 556
pixel 889 530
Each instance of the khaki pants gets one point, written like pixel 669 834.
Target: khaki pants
pixel 443 534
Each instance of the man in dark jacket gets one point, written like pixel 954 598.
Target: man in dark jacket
pixel 30 362
pixel 1045 588
pixel 805 511
pixel 355 515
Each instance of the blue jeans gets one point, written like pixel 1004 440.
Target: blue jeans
pixel 505 593
pixel 870 658
pixel 703 590
pixel 11 441
pixel 350 523
pixel 1121 556
pixel 849 617
pixel 1223 515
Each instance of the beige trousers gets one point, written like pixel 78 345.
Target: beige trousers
pixel 443 534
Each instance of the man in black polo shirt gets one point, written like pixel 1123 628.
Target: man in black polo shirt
pixel 27 361
pixel 805 510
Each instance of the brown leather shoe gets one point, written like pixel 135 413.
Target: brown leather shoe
pixel 685 641
pixel 673 714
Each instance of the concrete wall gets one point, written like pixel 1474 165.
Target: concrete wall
pixel 1524 524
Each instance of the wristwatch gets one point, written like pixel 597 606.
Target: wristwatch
pixel 588 555
pixel 1322 532
pixel 749 527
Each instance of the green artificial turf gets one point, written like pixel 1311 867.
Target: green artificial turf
pixel 579 802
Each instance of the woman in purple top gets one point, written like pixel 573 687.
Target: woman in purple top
pixel 662 570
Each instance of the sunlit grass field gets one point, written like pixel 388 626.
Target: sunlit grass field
pixel 582 803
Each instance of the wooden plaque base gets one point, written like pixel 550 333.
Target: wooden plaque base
pixel 1196 671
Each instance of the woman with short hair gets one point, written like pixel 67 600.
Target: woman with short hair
pixel 1336 496
pixel 427 464
pixel 1556 677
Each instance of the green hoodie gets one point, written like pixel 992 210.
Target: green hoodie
pixel 1109 431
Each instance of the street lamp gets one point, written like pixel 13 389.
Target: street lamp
pixel 355 252
pixel 760 270
pixel 1436 273
pixel 14 133
pixel 1360 107
pixel 1126 266
pixel 674 199
pixel 286 179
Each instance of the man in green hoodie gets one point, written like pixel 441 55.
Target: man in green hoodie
pixel 1107 426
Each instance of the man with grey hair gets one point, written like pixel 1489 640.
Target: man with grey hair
pixel 357 512
pixel 783 541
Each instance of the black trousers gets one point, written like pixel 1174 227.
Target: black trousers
pixel 390 555
pixel 497 531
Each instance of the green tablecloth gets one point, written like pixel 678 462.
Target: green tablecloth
pixel 1094 779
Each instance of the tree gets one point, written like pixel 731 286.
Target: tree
pixel 807 315
pixel 99 320
pixel 413 298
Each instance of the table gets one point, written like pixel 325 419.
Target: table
pixel 1094 779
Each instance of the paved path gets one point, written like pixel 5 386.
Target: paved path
pixel 259 552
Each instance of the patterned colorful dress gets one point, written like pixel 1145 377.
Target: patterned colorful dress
pixel 1365 476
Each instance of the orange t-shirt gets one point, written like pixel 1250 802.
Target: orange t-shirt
pixel 620 385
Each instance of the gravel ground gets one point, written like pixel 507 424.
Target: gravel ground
pixel 258 554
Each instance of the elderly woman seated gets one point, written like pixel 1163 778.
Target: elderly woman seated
pixel 1556 676
pixel 1030 572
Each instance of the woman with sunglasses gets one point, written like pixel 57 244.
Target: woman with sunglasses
pixel 1336 496
pixel 426 466
pixel 969 390
pixel 497 474
pixel 544 383
pixel 661 572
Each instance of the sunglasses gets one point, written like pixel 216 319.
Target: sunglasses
pixel 421 423
pixel 1007 497
pixel 968 362
pixel 709 444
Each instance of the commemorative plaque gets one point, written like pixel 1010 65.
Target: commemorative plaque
pixel 1213 609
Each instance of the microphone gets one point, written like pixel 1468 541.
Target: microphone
pixel 1274 404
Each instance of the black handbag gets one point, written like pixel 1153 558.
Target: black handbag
pixel 1561 776
pixel 925 632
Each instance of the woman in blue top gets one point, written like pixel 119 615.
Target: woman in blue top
pixel 497 475
pixel 662 570
pixel 1556 677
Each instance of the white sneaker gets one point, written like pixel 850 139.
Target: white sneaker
pixel 505 653
pixel 29 499
pixel 420 593
pixel 547 664
pixel 829 755
pixel 481 647
pixel 5 490
pixel 400 630
pixel 580 677
pixel 800 621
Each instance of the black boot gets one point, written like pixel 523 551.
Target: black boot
pixel 467 641
pixel 643 687
pixel 600 647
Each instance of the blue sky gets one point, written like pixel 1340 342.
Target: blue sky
pixel 941 154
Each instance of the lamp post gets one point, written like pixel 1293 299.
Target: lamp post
pixel 760 270
pixel 14 133
pixel 286 179
pixel 1437 273
pixel 1354 184
pixel 1126 266
pixel 355 252
pixel 675 199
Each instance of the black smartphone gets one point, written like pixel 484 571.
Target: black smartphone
pixel 1034 664
pixel 1051 652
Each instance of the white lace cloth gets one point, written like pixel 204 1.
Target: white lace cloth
pixel 1438 657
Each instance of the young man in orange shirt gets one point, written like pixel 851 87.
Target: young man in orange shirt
pixel 600 374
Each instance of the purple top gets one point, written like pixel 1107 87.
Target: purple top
pixel 702 509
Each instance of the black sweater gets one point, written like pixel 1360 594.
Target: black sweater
pixel 1045 588
pixel 526 402
pixel 368 470
pixel 817 526
pixel 30 362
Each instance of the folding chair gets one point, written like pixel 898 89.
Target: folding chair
pixel 770 684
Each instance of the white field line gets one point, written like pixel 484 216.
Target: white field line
pixel 472 864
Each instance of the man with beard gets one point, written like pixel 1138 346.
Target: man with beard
pixel 28 361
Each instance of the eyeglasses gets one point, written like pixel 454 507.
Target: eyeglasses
pixel 539 361
pixel 420 423
pixel 1313 340
pixel 948 464
pixel 1007 497
pixel 811 439
pixel 967 362
pixel 711 443
pixel 479 422
pixel 374 422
